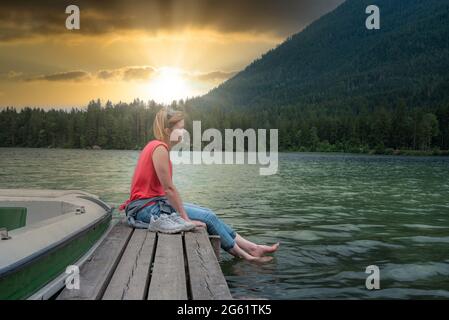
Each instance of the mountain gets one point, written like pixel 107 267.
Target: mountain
pixel 337 63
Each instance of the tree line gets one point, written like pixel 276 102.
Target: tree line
pixel 301 128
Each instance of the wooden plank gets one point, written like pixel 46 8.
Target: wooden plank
pixel 138 284
pixel 131 276
pixel 215 241
pixel 168 279
pixel 206 279
pixel 97 270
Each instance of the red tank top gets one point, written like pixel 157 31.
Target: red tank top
pixel 145 182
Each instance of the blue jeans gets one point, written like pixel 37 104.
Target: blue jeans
pixel 214 224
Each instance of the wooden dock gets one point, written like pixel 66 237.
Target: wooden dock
pixel 135 264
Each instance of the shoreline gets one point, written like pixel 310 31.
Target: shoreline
pixel 393 152
pixel 386 152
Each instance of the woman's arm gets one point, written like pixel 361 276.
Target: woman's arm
pixel 161 159
pixel 161 165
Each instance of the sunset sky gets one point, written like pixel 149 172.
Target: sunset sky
pixel 126 49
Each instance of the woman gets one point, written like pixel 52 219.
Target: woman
pixel 152 189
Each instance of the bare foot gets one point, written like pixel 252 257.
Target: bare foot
pixel 260 249
pixel 263 259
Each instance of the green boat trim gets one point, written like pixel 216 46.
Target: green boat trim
pixel 45 266
pixel 26 276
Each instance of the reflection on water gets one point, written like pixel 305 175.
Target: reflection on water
pixel 333 214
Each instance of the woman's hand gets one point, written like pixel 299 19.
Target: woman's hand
pixel 198 223
pixel 195 222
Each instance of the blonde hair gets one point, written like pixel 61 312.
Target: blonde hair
pixel 165 119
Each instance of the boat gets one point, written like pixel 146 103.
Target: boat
pixel 43 232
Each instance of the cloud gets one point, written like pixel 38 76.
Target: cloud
pixel 120 74
pixel 10 75
pixel 14 74
pixel 215 76
pixel 137 73
pixel 28 19
pixel 109 74
pixel 129 73
pixel 62 76
pixel 143 73
pixel 126 74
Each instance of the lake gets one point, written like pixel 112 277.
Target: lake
pixel 334 214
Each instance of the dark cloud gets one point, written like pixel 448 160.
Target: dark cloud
pixel 62 76
pixel 25 19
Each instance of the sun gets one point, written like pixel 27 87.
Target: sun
pixel 168 84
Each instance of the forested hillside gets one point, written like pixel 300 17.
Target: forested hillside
pixel 339 86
